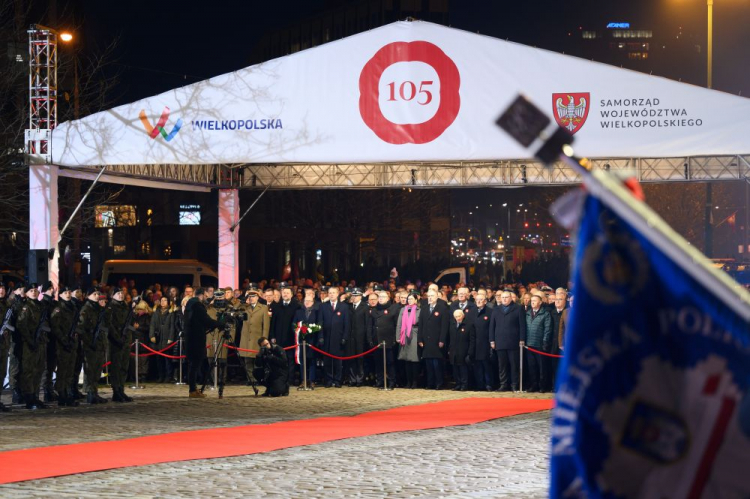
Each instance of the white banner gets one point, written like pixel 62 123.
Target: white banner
pixel 409 91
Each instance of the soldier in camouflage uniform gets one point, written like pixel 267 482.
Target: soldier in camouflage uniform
pixel 63 321
pixel 215 309
pixel 50 355
pixel 78 299
pixel 4 341
pixel 31 326
pixel 121 328
pixel 92 329
pixel 16 347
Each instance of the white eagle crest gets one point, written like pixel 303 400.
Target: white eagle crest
pixel 570 115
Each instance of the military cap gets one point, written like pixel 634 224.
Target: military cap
pixel 356 291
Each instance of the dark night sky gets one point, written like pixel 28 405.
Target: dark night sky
pixel 163 45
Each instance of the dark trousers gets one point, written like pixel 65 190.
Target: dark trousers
pixel 390 367
pixel 334 370
pixel 507 366
pixel 482 373
pixel 164 368
pixel 461 375
pixel 537 371
pixel 195 371
pixel 355 369
pixel 412 374
pixel 50 366
pixel 434 370
pixel 551 369
pixel 292 364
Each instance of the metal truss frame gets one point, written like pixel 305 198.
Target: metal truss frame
pixel 516 173
pixel 42 90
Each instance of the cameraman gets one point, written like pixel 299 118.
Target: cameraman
pixel 220 308
pixel 197 325
pixel 272 359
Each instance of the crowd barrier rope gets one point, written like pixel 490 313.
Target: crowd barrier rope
pixel 543 353
pixel 345 358
pixel 161 352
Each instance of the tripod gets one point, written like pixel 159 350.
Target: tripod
pixel 226 338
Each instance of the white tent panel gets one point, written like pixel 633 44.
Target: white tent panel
pixel 409 91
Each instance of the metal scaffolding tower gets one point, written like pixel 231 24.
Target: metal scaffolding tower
pixel 42 91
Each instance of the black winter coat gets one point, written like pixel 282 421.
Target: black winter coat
pixel 358 336
pixel 336 327
pixel 383 320
pixel 556 316
pixel 479 348
pixel 197 325
pixel 281 322
pixel 433 329
pixel 508 328
pixel 460 338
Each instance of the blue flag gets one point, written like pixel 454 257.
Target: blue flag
pixel 653 391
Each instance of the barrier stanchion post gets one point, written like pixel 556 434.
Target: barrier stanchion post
pixel 137 385
pixel 520 360
pixel 304 386
pixel 179 380
pixel 385 372
pixel 216 366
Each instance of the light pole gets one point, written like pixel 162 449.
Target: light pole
pixel 709 51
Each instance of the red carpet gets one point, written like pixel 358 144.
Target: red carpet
pixel 45 462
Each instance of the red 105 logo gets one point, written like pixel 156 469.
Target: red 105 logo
pixel 409 92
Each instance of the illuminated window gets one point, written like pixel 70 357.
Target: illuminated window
pixel 114 216
pixel 589 34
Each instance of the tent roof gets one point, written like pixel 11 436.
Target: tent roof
pixel 408 91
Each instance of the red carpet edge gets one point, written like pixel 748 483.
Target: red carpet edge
pixel 46 462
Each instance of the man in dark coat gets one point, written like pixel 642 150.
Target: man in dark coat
pixel 356 345
pixel 309 314
pixel 538 337
pixel 272 360
pixel 479 343
pixel 433 333
pixel 383 320
pixel 282 332
pixel 458 351
pixel 197 325
pixel 337 325
pixel 556 313
pixel 463 302
pixel 507 329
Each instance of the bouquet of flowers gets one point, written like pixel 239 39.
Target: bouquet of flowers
pixel 302 329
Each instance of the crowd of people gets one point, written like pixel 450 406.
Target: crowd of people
pixel 428 337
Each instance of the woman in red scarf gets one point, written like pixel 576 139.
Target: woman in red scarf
pixel 407 329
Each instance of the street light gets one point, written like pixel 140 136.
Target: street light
pixel 66 37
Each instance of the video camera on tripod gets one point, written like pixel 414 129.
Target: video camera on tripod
pixel 231 317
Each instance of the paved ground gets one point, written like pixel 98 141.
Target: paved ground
pixel 501 458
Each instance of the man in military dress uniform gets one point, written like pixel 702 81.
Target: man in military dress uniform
pixel 63 320
pixel 32 327
pixel 119 320
pixel 257 325
pixel 92 329
pixel 360 315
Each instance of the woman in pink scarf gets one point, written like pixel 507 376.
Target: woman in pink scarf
pixel 407 329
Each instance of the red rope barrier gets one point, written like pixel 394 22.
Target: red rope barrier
pixel 105 365
pixel 345 358
pixel 161 353
pixel 155 352
pixel 241 349
pixel 543 353
pixel 253 351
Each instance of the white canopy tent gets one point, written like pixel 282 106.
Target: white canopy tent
pixel 411 103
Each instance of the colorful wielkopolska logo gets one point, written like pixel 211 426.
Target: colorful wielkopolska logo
pixel 571 110
pixel 154 131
